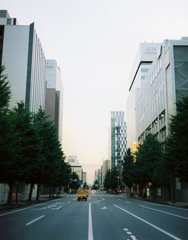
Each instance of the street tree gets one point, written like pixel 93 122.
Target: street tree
pixel 148 157
pixel 177 142
pixel 128 172
pixel 107 179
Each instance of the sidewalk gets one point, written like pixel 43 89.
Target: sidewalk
pixel 43 198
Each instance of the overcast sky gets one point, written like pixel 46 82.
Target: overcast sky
pixel 94 43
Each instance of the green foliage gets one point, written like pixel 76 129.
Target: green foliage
pixel 147 160
pixel 74 184
pixel 128 173
pixel 5 91
pixel 177 142
pixel 107 179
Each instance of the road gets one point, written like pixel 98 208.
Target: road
pixel 102 217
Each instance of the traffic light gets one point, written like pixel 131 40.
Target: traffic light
pixel 118 177
pixel 75 180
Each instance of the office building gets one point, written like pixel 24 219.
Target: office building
pixel 54 96
pixel 118 139
pixel 75 166
pixel 22 55
pixel 155 97
pixel 143 60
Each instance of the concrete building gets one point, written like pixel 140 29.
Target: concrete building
pixel 75 166
pixel 54 96
pixel 155 96
pixel 118 139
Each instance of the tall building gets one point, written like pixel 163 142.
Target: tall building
pixel 75 166
pixel 22 55
pixel 155 100
pixel 54 96
pixel 143 60
pixel 118 139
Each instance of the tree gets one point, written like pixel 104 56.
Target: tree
pixel 107 179
pixel 148 157
pixel 177 142
pixel 127 174
pixel 5 92
pixel 74 184
pixel 114 181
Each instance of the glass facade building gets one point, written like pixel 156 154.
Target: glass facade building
pixel 118 138
pixel 24 60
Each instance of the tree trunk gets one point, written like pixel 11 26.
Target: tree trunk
pixel 9 200
pixel 53 191
pixel 30 192
pixel 38 188
pixel 50 193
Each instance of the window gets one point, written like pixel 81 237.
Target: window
pixel 144 69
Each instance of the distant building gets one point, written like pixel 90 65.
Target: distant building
pixel 54 96
pixel 75 166
pixel 118 139
pixel 84 177
pixel 106 167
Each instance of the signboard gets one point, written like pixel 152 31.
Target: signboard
pixel 80 181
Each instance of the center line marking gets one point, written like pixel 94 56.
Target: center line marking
pixel 152 225
pixel 35 220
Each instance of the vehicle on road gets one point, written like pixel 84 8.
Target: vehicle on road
pixel 82 194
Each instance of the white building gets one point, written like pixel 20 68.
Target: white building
pixel 144 57
pixel 75 166
pixel 54 95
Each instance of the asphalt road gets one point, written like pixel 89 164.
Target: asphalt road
pixel 102 217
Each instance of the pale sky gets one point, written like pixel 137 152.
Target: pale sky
pixel 94 43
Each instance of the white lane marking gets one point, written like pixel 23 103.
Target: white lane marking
pixel 133 237
pixel 89 196
pixel 74 199
pixel 35 220
pixel 129 233
pixel 102 198
pixel 152 225
pixel 68 202
pixel 126 229
pixel 25 208
pixel 90 227
pixel 128 202
pixel 90 230
pixel 57 208
pixel 164 212
pixel 103 207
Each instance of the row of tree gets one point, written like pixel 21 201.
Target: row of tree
pixel 30 151
pixel 158 163
pixel 161 164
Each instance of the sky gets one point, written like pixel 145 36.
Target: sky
pixel 94 43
